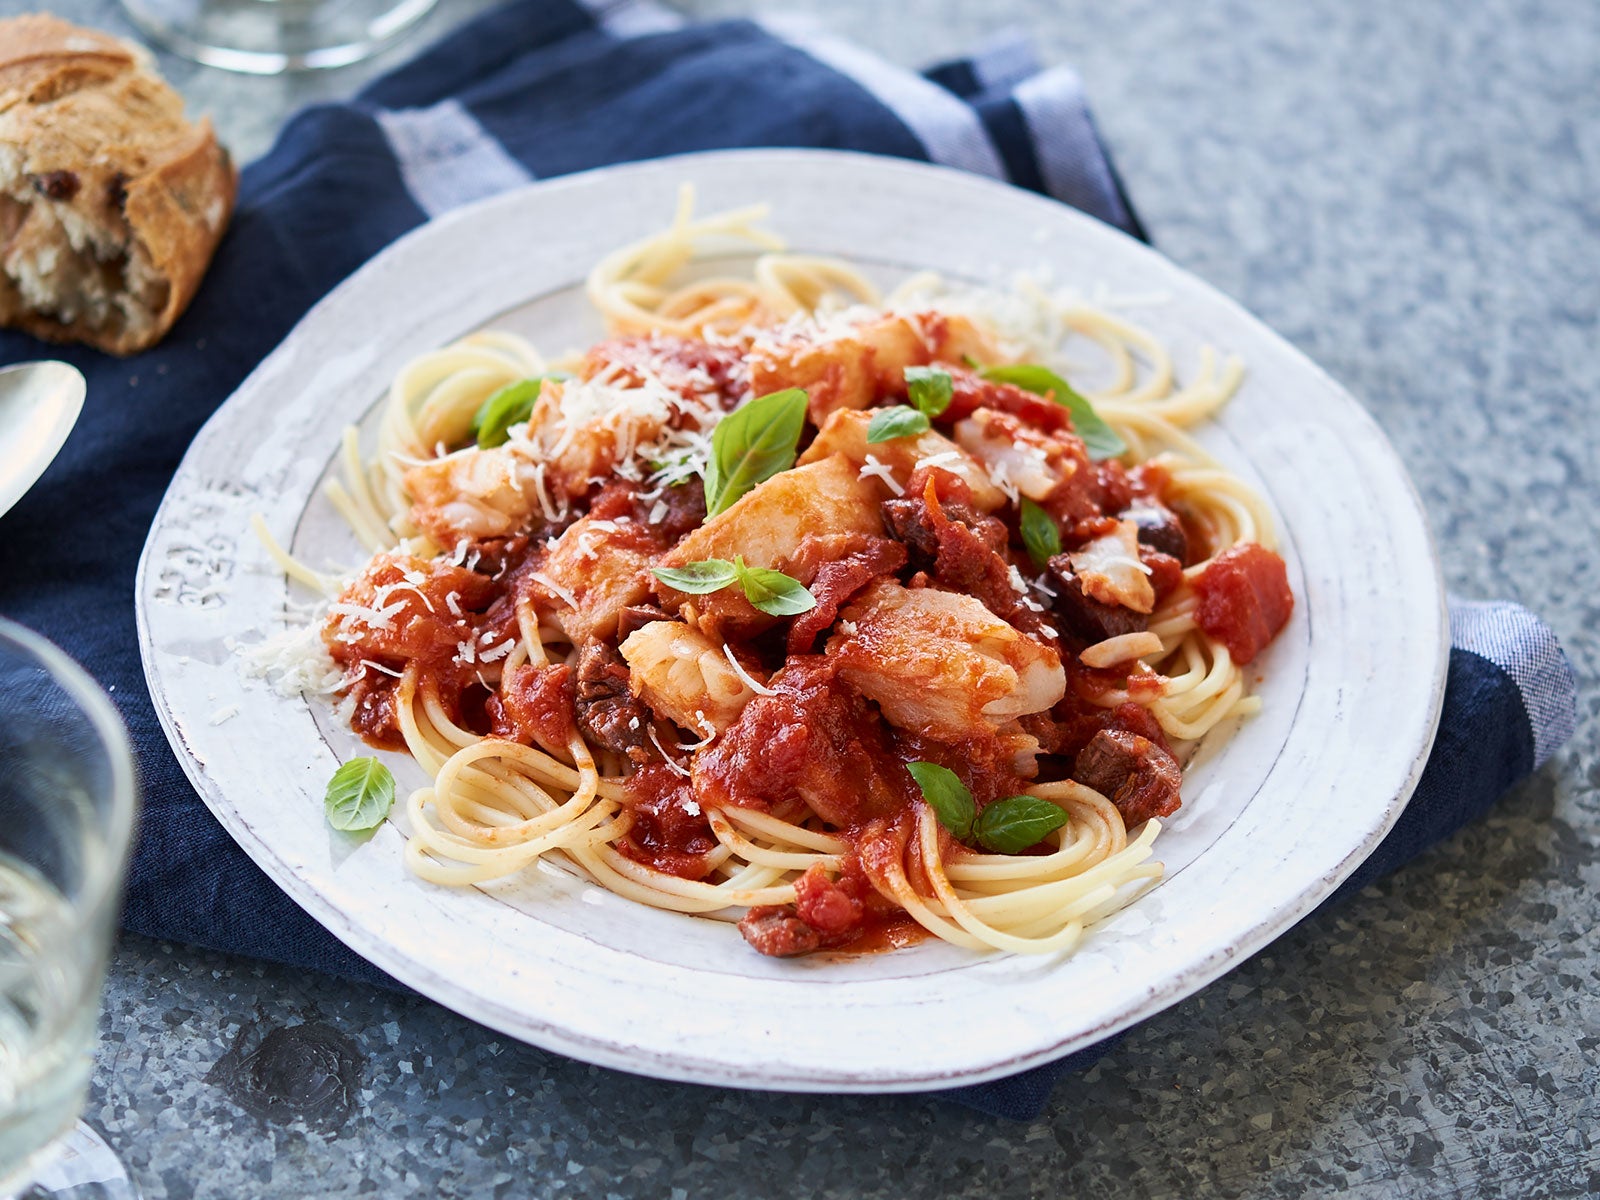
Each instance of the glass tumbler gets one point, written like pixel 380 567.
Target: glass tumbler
pixel 269 37
pixel 67 801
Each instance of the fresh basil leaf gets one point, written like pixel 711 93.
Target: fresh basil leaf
pixel 1011 825
pixel 359 795
pixel 1101 440
pixel 946 795
pixel 711 476
pixel 773 592
pixel 698 578
pixel 897 422
pixel 930 389
pixel 752 444
pixel 1040 534
pixel 511 405
pixel 1031 377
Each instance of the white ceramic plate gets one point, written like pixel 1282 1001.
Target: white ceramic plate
pixel 1273 820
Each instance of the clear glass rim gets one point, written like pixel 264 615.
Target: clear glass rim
pixel 95 704
pixel 333 53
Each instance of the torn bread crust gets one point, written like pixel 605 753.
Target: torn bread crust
pixel 111 204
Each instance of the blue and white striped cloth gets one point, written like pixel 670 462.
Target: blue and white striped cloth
pixel 535 90
pixel 541 88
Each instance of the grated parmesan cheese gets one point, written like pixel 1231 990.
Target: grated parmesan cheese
pixel 1000 476
pixel 551 513
pixel 382 594
pixel 872 468
pixel 625 418
pixel 681 454
pixel 942 459
pixel 292 662
pixel 704 741
pixel 374 618
pixel 555 589
pixel 759 689
pixel 672 764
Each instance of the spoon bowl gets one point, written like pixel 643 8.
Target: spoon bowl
pixel 39 404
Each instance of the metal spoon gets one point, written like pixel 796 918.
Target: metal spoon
pixel 39 404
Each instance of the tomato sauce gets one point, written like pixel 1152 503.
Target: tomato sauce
pixel 534 706
pixel 670 831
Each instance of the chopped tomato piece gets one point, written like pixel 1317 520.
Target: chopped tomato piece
pixel 1244 599
pixel 826 906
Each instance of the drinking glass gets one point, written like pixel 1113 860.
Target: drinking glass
pixel 66 816
pixel 269 37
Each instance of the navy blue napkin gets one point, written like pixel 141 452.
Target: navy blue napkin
pixel 540 88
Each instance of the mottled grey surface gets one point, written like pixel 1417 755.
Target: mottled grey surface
pixel 1411 193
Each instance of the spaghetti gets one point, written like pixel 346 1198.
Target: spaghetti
pixel 952 595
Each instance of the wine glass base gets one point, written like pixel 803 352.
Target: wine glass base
pixel 82 1167
pixel 271 37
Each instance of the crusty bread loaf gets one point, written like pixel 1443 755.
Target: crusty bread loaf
pixel 110 202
